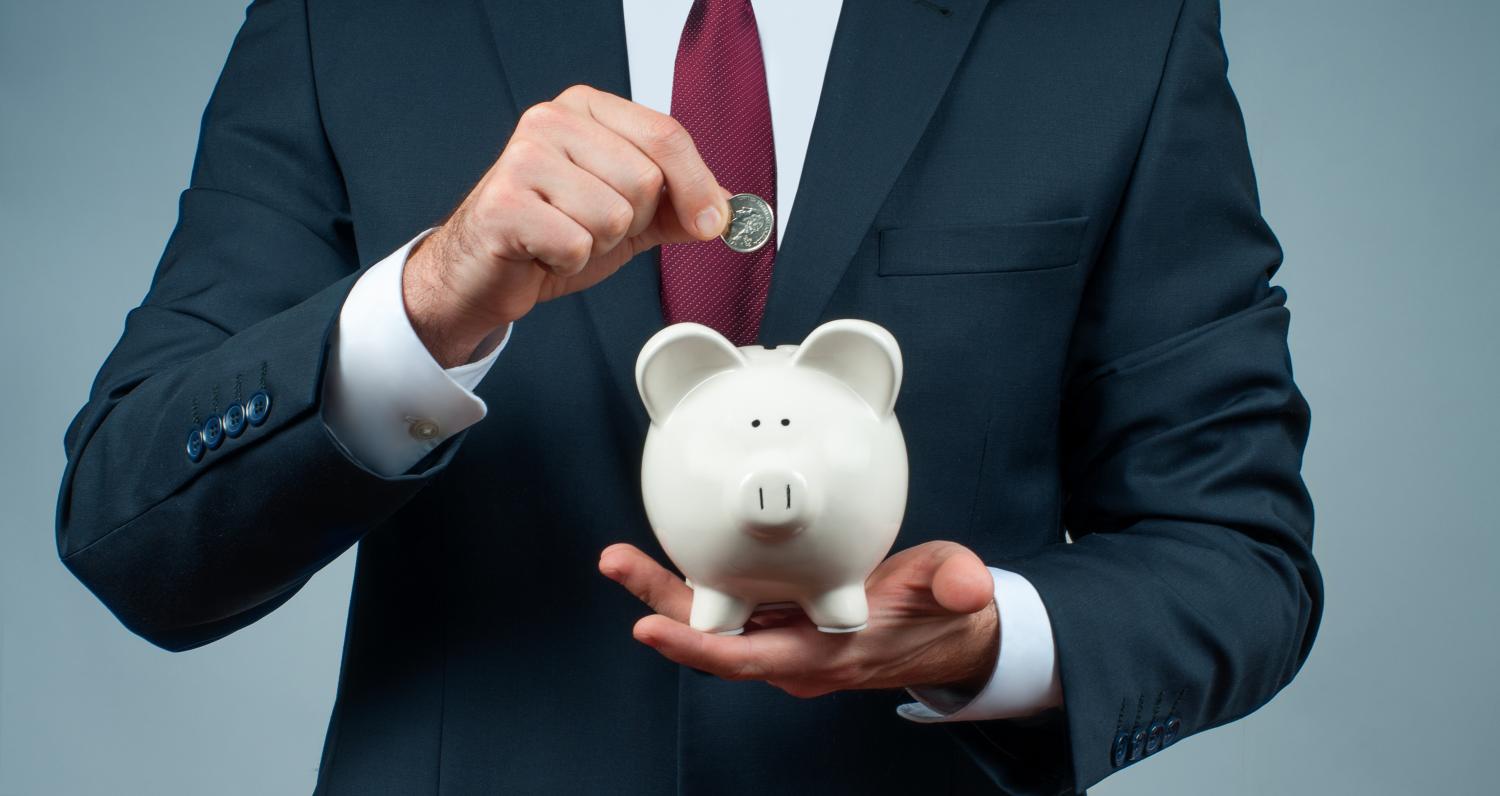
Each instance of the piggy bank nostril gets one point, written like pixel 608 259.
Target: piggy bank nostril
pixel 760 496
pixel 763 502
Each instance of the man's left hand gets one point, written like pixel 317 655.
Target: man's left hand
pixel 932 623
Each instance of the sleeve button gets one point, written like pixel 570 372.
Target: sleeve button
pixel 258 407
pixel 213 432
pixel 234 420
pixel 1120 753
pixel 195 446
pixel 1154 738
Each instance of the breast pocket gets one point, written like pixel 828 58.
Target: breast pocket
pixel 980 249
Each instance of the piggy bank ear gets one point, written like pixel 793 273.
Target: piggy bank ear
pixel 677 359
pixel 860 354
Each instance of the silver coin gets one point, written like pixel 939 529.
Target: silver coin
pixel 750 224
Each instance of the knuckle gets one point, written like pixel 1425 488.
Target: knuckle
pixel 540 115
pixel 577 250
pixel 664 132
pixel 648 183
pixel 523 152
pixel 617 219
pixel 576 91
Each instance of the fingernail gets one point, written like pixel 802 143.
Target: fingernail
pixel 710 222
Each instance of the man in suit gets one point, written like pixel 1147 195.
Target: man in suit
pixel 1050 205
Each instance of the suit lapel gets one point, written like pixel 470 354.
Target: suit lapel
pixel 891 63
pixel 544 47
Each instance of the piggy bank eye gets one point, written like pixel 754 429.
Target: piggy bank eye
pixel 785 422
pixel 755 424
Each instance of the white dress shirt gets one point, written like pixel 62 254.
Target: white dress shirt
pixel 389 403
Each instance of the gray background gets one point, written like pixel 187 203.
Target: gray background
pixel 1374 124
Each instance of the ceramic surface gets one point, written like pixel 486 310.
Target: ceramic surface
pixel 774 475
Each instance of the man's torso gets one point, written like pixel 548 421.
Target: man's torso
pixel 957 188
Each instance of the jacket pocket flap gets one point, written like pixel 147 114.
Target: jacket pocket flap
pixel 980 249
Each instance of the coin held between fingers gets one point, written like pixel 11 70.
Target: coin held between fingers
pixel 750 223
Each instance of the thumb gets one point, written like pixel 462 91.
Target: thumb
pixel 667 227
pixel 962 583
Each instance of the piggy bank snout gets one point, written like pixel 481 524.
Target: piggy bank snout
pixel 774 503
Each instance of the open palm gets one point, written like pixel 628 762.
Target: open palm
pixel 932 622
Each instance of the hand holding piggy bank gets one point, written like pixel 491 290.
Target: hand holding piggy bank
pixel 774 475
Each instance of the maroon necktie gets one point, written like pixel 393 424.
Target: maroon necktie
pixel 719 96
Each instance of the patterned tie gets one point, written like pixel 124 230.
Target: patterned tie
pixel 719 96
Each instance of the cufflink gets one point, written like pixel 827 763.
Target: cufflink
pixel 421 429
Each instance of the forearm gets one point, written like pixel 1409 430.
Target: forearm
pixel 1190 592
pixel 187 543
pixel 1189 595
pixel 185 551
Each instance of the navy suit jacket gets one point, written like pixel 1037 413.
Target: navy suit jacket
pixel 1049 203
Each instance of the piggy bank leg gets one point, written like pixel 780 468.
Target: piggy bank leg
pixel 843 610
pixel 717 612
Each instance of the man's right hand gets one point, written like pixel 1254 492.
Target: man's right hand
pixel 577 192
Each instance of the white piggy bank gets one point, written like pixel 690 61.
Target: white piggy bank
pixel 776 475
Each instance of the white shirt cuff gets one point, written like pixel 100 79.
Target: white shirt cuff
pixel 1025 680
pixel 386 400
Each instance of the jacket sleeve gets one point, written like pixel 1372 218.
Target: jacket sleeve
pixel 1189 595
pixel 202 487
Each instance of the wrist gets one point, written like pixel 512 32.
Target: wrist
pixel 449 331
pixel 981 651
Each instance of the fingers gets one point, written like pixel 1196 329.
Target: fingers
pixel 649 581
pixel 697 198
pixel 763 655
pixel 550 236
pixel 594 205
pixel 777 649
pixel 620 165
pixel 582 141
pixel 586 181
pixel 961 582
pixel 931 632
pixel 666 227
